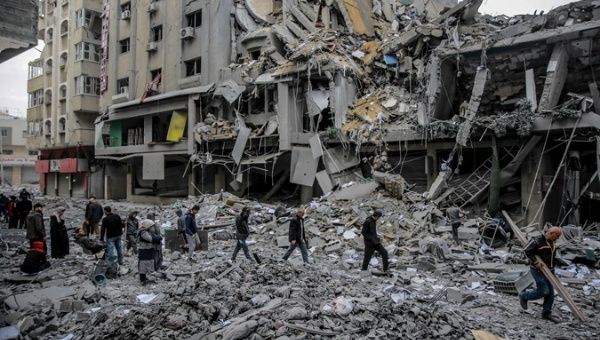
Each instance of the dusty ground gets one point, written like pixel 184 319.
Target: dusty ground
pixel 277 300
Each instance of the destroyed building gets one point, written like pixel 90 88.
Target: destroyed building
pixel 19 27
pixel 253 96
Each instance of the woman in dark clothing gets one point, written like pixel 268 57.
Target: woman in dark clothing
pixel 59 239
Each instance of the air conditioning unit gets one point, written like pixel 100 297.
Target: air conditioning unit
pixel 123 89
pixel 153 7
pixel 152 46
pixel 125 15
pixel 187 33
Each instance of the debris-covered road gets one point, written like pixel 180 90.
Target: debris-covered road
pixel 434 291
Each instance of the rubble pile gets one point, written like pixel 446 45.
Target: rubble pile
pixel 397 52
pixel 435 290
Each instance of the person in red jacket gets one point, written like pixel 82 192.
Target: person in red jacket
pixel 11 208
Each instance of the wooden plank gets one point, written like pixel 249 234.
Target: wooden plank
pixel 549 275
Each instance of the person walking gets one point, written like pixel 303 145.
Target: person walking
pixel 372 242
pixel 297 236
pixel 4 207
pixel 93 215
pixel 454 215
pixel 544 247
pixel 24 207
pixel 146 250
pixel 36 232
pixel 181 226
pixel 59 239
pixel 191 231
pixel 242 233
pixel 112 229
pixel 132 230
pixel 11 209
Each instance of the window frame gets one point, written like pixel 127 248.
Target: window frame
pixel 87 86
pixel 157 31
pixel 191 19
pixel 196 67
pixel 128 41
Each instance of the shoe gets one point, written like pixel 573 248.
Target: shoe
pixel 549 317
pixel 523 302
pixel 148 282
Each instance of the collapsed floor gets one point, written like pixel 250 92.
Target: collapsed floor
pixel 435 291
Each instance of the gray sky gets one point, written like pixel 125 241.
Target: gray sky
pixel 13 73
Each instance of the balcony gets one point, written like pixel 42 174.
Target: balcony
pixel 85 103
pixel 36 83
pixel 35 113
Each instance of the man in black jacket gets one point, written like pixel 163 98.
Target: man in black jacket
pixel 24 207
pixel 297 236
pixel 93 215
pixel 242 233
pixel 372 242
pixel 544 247
pixel 112 228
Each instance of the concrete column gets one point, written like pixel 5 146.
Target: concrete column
pixel 530 184
pixel 17 175
pixel 306 194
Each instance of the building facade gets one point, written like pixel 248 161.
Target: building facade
pixel 64 92
pixel 160 61
pixel 16 162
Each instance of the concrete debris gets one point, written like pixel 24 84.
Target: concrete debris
pixel 327 298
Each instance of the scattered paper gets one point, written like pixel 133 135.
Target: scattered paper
pixel 146 298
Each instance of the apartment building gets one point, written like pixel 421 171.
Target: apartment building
pixel 64 92
pixel 16 162
pixel 160 61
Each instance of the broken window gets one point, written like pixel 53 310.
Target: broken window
pixel 125 7
pixel 87 51
pixel 123 85
pixel 194 19
pixel 36 98
pixel 154 75
pixel 193 67
pixel 254 54
pixel 87 19
pixel 157 33
pixel 124 44
pixel 35 69
pixel 85 85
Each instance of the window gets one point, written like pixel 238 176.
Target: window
pixel 125 7
pixel 36 98
pixel 7 151
pixel 194 19
pixel 63 91
pixel 124 45
pixel 85 18
pixel 49 35
pixel 154 74
pixel 87 85
pixel 35 69
pixel 87 51
pixel 123 85
pixel 32 152
pixel 157 33
pixel 193 67
pixel 4 132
